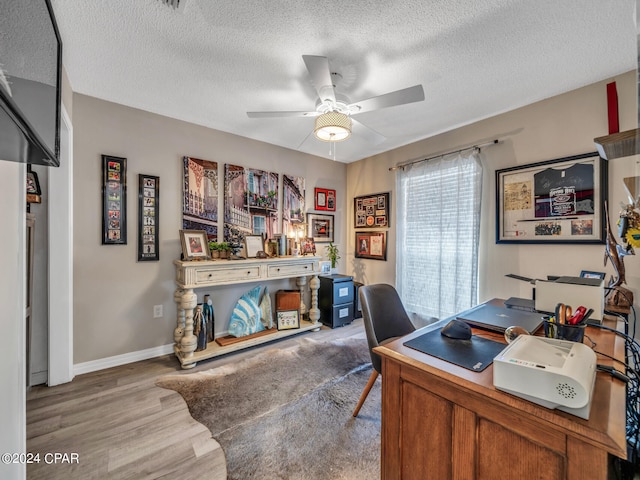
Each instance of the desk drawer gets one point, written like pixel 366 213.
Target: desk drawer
pixel 227 275
pixel 290 269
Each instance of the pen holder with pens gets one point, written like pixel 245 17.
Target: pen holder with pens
pixel 564 331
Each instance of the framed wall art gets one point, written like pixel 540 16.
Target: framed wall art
pixel 34 193
pixel 114 200
pixel 325 199
pixel 293 205
pixel 200 196
pixel 371 211
pixel 371 245
pixel 555 201
pixel 320 227
pixel 148 218
pixel 195 245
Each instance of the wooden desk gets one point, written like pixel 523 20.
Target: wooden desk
pixel 441 421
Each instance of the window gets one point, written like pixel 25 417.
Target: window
pixel 259 225
pixel 438 233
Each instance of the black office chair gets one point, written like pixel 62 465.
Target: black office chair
pixel 385 319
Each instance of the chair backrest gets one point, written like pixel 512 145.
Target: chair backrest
pixel 384 317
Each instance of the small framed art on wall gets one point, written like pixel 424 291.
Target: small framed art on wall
pixel 114 200
pixel 148 218
pixel 325 199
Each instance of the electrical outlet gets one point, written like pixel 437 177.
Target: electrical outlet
pixel 157 311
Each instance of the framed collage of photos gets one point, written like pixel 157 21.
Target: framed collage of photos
pixel 114 200
pixel 555 201
pixel 325 199
pixel 148 218
pixel 371 211
pixel 371 245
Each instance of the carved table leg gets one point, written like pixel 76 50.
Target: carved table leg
pixel 314 311
pixel 189 341
pixel 302 283
pixel 178 332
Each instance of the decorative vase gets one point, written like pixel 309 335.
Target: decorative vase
pixel 200 328
pixel 207 312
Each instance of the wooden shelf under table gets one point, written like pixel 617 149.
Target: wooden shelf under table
pixel 215 350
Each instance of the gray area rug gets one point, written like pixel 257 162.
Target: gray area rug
pixel 286 413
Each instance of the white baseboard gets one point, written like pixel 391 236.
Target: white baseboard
pixel 101 364
pixel 39 378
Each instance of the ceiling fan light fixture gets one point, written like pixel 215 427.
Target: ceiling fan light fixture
pixel 332 127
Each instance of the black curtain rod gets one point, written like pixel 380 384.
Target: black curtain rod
pixel 402 165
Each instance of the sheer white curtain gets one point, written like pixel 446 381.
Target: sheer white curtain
pixel 438 234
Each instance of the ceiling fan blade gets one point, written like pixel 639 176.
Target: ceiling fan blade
pixel 366 133
pixel 399 97
pixel 320 77
pixel 281 114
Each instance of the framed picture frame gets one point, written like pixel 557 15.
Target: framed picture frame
pixel 555 201
pixel 371 245
pixel 34 193
pixel 195 245
pixel 320 227
pixel 253 244
pixel 325 268
pixel 288 319
pixel 589 274
pixel 148 218
pixel 114 200
pixel 371 211
pixel 325 199
pixel 307 246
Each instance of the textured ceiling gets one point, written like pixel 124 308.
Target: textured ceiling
pixel 209 62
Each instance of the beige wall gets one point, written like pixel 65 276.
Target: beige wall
pixel 114 294
pixel 557 127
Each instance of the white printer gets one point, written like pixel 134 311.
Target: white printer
pixel 574 291
pixel 550 372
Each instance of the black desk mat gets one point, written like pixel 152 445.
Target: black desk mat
pixel 475 354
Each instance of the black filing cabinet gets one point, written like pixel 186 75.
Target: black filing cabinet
pixel 357 307
pixel 335 299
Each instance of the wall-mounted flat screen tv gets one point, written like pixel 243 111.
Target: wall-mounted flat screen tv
pixel 30 72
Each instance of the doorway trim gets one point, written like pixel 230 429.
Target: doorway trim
pixel 61 259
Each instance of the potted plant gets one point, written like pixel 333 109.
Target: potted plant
pixel 215 249
pixel 333 254
pixel 225 249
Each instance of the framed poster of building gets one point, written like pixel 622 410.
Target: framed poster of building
pixel 114 200
pixel 555 201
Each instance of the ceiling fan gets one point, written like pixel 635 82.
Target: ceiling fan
pixel 334 111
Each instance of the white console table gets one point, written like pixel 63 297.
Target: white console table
pixel 197 274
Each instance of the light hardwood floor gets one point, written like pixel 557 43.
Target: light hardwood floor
pixel 122 426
